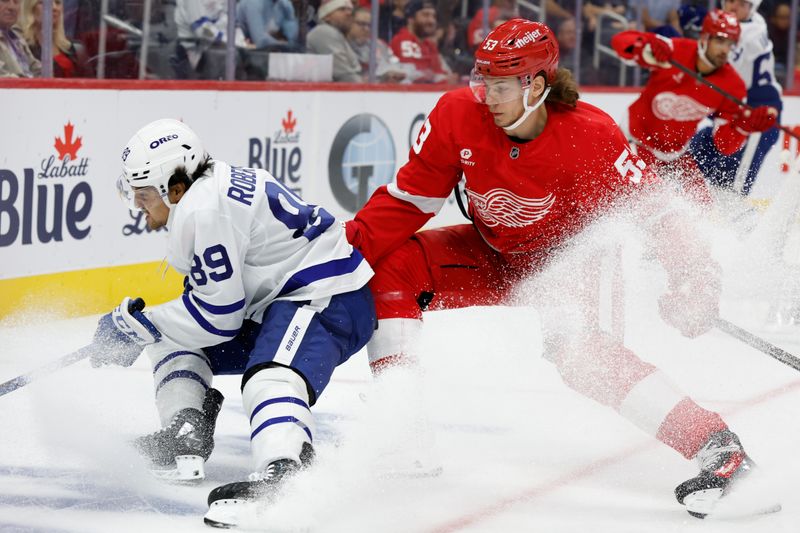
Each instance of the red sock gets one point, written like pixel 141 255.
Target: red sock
pixel 688 427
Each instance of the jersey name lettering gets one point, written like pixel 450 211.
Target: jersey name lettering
pixel 243 184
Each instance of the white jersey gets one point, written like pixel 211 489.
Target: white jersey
pixel 203 19
pixel 753 59
pixel 245 240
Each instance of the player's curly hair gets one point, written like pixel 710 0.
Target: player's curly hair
pixel 564 90
pixel 180 175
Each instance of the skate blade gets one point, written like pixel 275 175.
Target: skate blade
pixel 754 500
pixel 227 514
pixel 746 513
pixel 188 469
pixel 710 505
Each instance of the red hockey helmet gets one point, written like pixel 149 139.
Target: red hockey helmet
pixel 518 47
pixel 718 23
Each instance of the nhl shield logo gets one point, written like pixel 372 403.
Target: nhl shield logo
pixel 514 153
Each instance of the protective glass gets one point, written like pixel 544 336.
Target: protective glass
pixel 492 91
pixel 139 198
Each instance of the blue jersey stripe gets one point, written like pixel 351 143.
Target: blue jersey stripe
pixel 284 399
pixel 205 324
pixel 173 355
pixel 187 374
pixel 219 309
pixel 202 20
pixel 281 420
pixel 307 276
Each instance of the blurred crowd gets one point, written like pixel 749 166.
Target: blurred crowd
pixel 417 41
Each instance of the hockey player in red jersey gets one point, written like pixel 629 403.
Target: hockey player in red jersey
pixel 664 118
pixel 539 165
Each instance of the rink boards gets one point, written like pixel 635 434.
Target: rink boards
pixel 67 241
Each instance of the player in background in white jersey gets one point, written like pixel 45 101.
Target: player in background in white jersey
pixel 273 291
pixel 754 61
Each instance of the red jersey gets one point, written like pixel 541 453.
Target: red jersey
pixel 475 33
pixel 423 53
pixel 524 196
pixel 665 116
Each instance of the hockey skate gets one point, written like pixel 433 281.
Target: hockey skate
pixel 179 451
pixel 723 466
pixel 227 504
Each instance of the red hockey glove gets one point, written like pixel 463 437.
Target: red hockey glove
pixel 692 303
pixel 656 51
pixel 757 119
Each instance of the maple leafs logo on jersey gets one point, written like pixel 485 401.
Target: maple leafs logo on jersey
pixel 500 207
pixel 289 123
pixel 682 108
pixel 68 147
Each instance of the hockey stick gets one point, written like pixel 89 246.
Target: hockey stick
pixel 137 304
pixel 66 360
pixel 726 94
pixel 758 343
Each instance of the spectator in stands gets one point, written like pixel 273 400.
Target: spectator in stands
pixel 592 9
pixel 69 58
pixel 16 58
pixel 387 67
pixel 74 16
pixel 563 10
pixel 416 45
pixel 268 23
pixel 567 36
pixel 122 45
pixel 499 12
pixel 556 11
pixel 559 10
pixel 392 19
pixel 661 16
pixel 691 15
pixel 330 37
pixel 796 72
pixel 202 27
pixel 778 21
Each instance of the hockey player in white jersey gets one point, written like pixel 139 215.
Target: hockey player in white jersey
pixel 273 291
pixel 754 61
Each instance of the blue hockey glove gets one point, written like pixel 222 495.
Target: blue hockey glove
pixel 122 334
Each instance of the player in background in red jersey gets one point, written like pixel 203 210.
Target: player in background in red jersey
pixel 539 166
pixel 664 118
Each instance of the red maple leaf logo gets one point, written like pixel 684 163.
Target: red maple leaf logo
pixel 289 122
pixel 68 147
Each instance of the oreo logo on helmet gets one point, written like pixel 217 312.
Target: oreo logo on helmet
pixel 156 143
pixel 528 38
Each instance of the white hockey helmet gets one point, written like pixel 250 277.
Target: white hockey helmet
pixel 153 155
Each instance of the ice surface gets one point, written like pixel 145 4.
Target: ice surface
pixel 519 450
